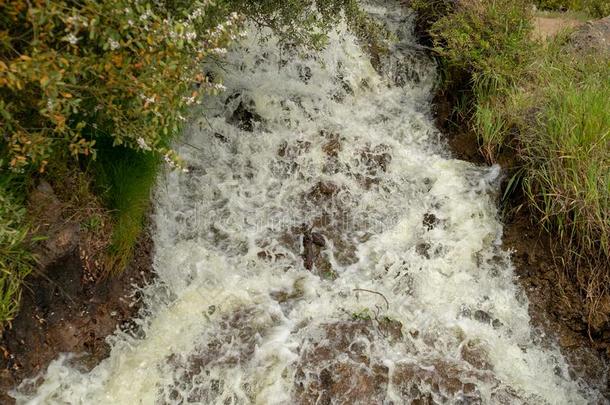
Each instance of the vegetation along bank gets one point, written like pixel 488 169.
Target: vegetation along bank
pixel 527 86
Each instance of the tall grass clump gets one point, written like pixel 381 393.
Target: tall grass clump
pixel 16 261
pixel 124 179
pixel 566 149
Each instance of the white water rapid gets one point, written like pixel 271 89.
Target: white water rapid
pixel 324 248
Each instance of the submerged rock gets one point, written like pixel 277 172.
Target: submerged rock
pixel 244 115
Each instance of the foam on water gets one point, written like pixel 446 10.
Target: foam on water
pixel 324 247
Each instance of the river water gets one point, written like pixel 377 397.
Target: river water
pixel 324 247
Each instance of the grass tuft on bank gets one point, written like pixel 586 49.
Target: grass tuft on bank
pixel 566 150
pixel 594 8
pixel 125 179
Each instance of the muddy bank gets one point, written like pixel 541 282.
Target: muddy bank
pixel 63 310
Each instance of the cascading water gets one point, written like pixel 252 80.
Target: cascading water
pixel 324 248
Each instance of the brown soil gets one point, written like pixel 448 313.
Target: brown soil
pixel 63 311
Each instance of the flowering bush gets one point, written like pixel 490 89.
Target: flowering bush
pixel 126 69
pixel 72 72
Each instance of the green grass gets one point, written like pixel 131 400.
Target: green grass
pixel 491 129
pixel 594 8
pixel 16 260
pixel 125 179
pixel 567 151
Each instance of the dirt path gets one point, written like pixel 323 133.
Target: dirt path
pixel 548 27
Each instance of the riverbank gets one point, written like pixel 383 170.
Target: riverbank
pixel 563 303
pixel 555 306
pixel 64 311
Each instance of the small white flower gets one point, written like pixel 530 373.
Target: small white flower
pixel 218 51
pixel 142 144
pixel 71 38
pixel 114 44
pixel 196 14
pixel 189 100
pixel 169 161
pixel 147 100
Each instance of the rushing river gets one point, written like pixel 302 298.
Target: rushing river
pixel 324 247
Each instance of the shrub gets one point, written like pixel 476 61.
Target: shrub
pixel 71 73
pixel 486 39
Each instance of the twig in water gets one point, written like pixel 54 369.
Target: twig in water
pixel 375 292
pixel 192 146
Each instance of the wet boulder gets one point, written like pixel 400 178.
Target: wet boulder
pixel 243 115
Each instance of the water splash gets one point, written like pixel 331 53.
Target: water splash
pixel 324 248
